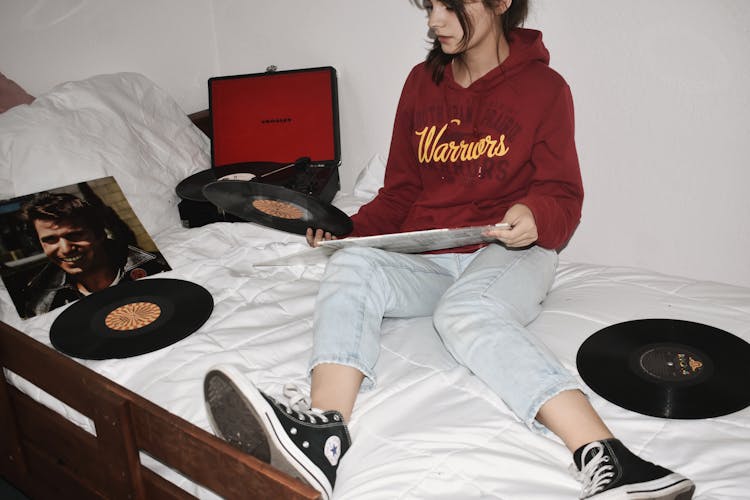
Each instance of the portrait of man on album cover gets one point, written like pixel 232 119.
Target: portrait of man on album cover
pixel 60 245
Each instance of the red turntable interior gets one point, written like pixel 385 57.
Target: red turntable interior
pixel 275 117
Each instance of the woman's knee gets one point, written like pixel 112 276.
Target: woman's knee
pixel 454 320
pixel 460 323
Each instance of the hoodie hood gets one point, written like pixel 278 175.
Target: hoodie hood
pixel 526 47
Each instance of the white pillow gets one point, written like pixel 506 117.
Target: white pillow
pixel 370 179
pixel 121 125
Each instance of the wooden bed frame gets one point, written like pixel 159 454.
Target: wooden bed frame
pixel 47 456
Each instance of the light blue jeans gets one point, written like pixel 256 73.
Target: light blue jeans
pixel 480 302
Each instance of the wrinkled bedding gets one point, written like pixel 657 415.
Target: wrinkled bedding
pixel 430 429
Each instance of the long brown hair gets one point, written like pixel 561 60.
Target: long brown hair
pixel 514 17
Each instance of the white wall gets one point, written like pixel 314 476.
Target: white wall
pixel 45 42
pixel 661 91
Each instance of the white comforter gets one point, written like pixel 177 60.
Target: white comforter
pixel 430 430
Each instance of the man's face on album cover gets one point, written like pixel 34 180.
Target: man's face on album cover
pixel 70 245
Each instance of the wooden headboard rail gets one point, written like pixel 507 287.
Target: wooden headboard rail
pixel 47 456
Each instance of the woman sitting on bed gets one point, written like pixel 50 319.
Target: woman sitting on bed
pixel 483 134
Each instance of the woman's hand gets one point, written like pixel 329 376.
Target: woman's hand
pixel 315 236
pixel 522 231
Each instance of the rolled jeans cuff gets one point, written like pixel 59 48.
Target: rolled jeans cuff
pixel 368 383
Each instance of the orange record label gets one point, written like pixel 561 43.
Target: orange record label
pixel 278 209
pixel 132 316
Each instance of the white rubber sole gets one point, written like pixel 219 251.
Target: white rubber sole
pixel 285 455
pixel 671 487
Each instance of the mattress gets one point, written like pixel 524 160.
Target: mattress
pixel 430 429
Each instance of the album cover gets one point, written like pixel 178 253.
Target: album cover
pixel 406 242
pixel 60 245
pixel 418 241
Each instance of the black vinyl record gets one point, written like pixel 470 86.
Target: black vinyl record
pixel 191 188
pixel 131 318
pixel 277 207
pixel 668 368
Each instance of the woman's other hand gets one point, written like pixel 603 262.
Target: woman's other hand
pixel 315 236
pixel 522 231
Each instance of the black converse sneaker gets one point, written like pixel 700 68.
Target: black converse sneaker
pixel 608 470
pixel 302 441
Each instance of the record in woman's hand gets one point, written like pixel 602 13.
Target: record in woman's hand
pixel 277 207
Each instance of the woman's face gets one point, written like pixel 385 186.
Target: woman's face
pixel 444 23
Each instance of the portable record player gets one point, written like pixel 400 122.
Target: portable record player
pixel 279 128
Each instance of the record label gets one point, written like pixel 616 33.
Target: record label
pixel 671 363
pixel 131 318
pixel 667 368
pixel 281 209
pixel 242 176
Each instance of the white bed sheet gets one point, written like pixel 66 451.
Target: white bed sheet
pixel 430 430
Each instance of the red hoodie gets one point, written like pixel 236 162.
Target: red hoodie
pixel 463 156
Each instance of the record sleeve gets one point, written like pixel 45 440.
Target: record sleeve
pixel 407 242
pixel 418 241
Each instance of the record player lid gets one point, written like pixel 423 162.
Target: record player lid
pixel 275 117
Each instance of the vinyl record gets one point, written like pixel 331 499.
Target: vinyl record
pixel 191 188
pixel 667 368
pixel 277 207
pixel 131 318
